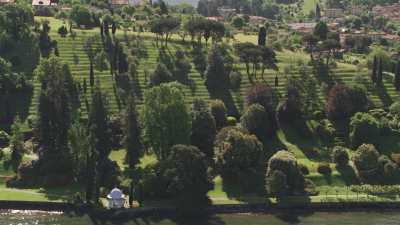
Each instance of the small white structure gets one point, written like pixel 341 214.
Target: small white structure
pixel 116 199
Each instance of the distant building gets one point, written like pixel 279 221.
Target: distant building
pixel 257 20
pixel 334 13
pixel 357 10
pixel 121 3
pixel 226 12
pixel 38 4
pixel 4 2
pixel 391 12
pixel 303 28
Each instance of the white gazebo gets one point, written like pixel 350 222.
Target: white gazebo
pixel 116 199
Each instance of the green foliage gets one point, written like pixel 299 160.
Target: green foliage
pixel 240 159
pixel 203 128
pixel 218 110
pixel 56 101
pixel 364 128
pixel 199 59
pixel 277 183
pixel 366 158
pixel 132 134
pixel 216 75
pixel 395 109
pixel 255 120
pixel 166 119
pixel 343 101
pixel 160 75
pixel 17 143
pixel 62 31
pixel 165 26
pixel 286 163
pixel 186 170
pixel 238 22
pixel 340 156
pixel 78 143
pixel 81 15
pixel 4 139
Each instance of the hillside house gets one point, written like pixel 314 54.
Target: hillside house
pixel 334 13
pixel 40 4
pixel 4 2
pixel 302 28
pixel 391 12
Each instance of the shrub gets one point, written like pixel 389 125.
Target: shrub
pixel 277 183
pixel 325 130
pixel 366 157
pixel 304 169
pixel 363 128
pixel 235 79
pixel 239 158
pixel 265 96
pixel 218 110
pixel 255 121
pixel 4 139
pixel 395 109
pixel 343 101
pixel 62 31
pixel 286 162
pixel 340 156
pixel 324 168
pixel 231 121
pixel 160 75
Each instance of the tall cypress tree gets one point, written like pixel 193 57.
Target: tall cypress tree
pixel 380 73
pixel 318 12
pixel 374 70
pixel 397 76
pixel 132 134
pixel 262 36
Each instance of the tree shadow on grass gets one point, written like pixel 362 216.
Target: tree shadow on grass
pixel 348 174
pixel 292 217
pixel 61 193
pixel 225 95
pixel 382 93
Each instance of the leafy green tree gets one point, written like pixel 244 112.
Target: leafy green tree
pixel 340 156
pixel 364 128
pixel 166 119
pixel 16 20
pixel 219 112
pixel 91 52
pixel 240 159
pixel 55 105
pixel 255 120
pixel 163 7
pixel 318 12
pixel 163 27
pixel 286 163
pixel 374 75
pixel 256 57
pixel 17 143
pixel 81 15
pixel 277 183
pixel 132 134
pixel 199 59
pixel 216 75
pixel 321 30
pixel 160 75
pixel 186 170
pixel 343 101
pixel 182 67
pixel 238 22
pixel 45 43
pixel 203 128
pixel 78 143
pixel 366 158
pixel 62 31
pixel 99 124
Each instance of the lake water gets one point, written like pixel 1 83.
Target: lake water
pixel 351 218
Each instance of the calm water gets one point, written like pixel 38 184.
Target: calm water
pixel 353 218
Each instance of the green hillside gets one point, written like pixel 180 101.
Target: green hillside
pixel 233 99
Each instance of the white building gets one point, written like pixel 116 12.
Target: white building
pixel 116 199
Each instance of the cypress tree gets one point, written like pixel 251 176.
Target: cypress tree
pixel 132 134
pixel 397 76
pixel 262 36
pixel 318 12
pixel 374 70
pixel 380 72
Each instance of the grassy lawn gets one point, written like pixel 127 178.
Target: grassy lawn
pixel 309 5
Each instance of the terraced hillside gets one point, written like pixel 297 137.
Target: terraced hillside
pixel 233 99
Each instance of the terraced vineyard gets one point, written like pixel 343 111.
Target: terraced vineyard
pixel 233 99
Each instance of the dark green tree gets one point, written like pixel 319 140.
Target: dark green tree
pixel 321 30
pixel 132 134
pixel 91 51
pixel 397 76
pixel 216 75
pixel 203 128
pixel 374 74
pixel 262 36
pixel 379 76
pixel 317 12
